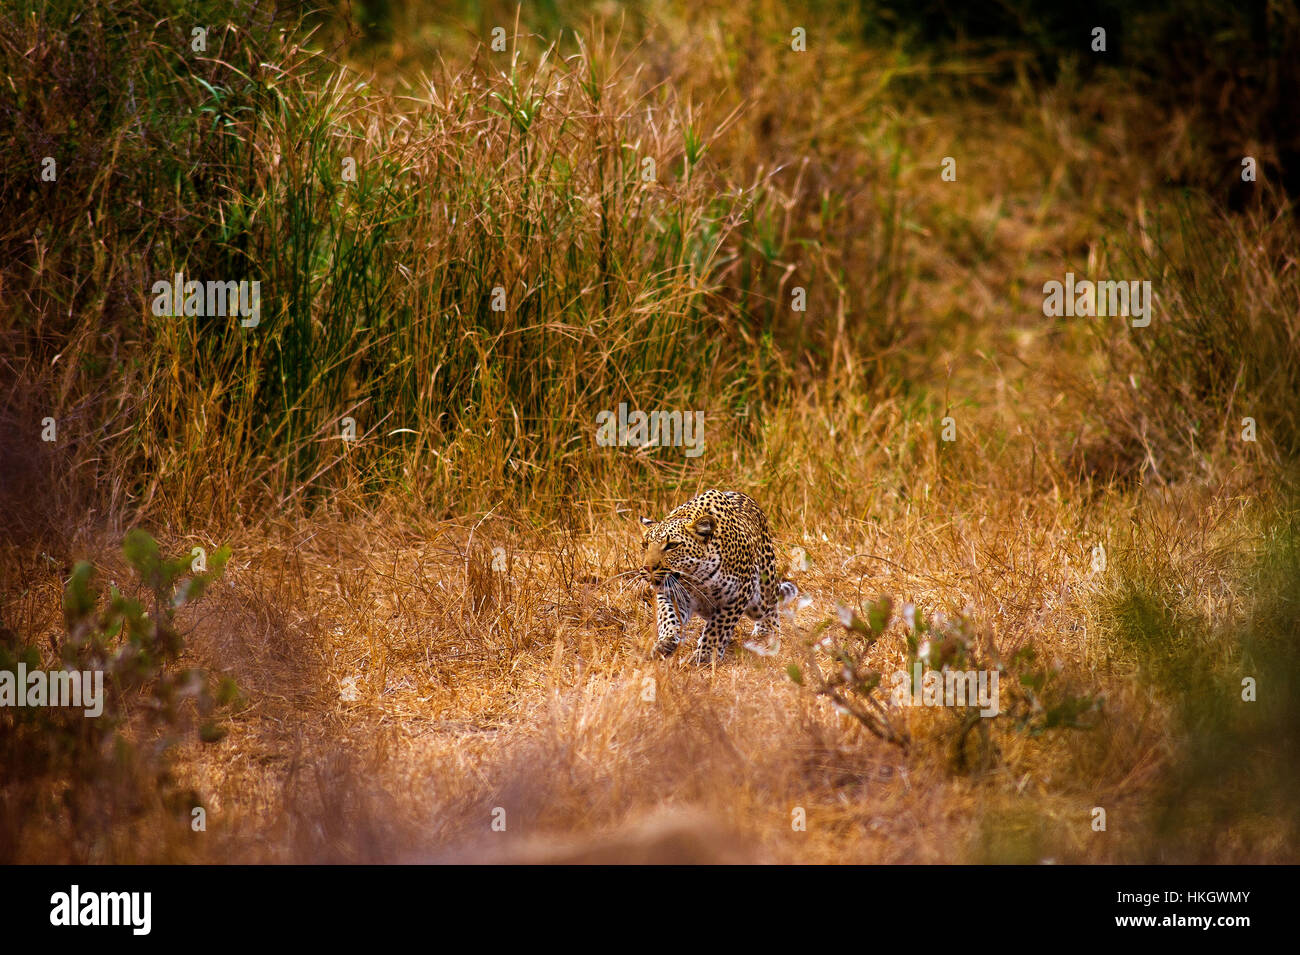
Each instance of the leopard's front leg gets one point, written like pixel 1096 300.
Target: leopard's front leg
pixel 716 637
pixel 669 626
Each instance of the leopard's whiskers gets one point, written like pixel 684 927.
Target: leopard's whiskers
pixel 690 585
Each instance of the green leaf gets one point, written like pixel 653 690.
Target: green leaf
pixel 870 682
pixel 211 732
pixel 878 615
pixel 79 597
pixel 217 562
pixel 795 674
pixel 227 691
pixel 141 552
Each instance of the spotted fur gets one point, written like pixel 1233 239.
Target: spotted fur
pixel 713 557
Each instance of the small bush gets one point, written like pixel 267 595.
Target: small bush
pixel 94 773
pixel 1033 699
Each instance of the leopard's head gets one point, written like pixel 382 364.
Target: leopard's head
pixel 680 547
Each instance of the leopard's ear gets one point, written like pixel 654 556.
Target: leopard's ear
pixel 646 522
pixel 702 527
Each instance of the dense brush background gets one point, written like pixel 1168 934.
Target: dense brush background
pixel 427 623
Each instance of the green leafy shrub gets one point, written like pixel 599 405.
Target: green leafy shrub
pixel 92 772
pixel 1035 700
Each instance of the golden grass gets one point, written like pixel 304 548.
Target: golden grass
pixel 530 690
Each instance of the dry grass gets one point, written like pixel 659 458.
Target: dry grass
pixel 531 690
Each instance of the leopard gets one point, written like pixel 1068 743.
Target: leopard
pixel 713 557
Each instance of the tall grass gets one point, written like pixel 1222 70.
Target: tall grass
pixel 1222 346
pixel 531 237
pixel 1209 621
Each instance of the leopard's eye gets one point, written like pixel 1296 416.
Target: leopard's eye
pixel 671 544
